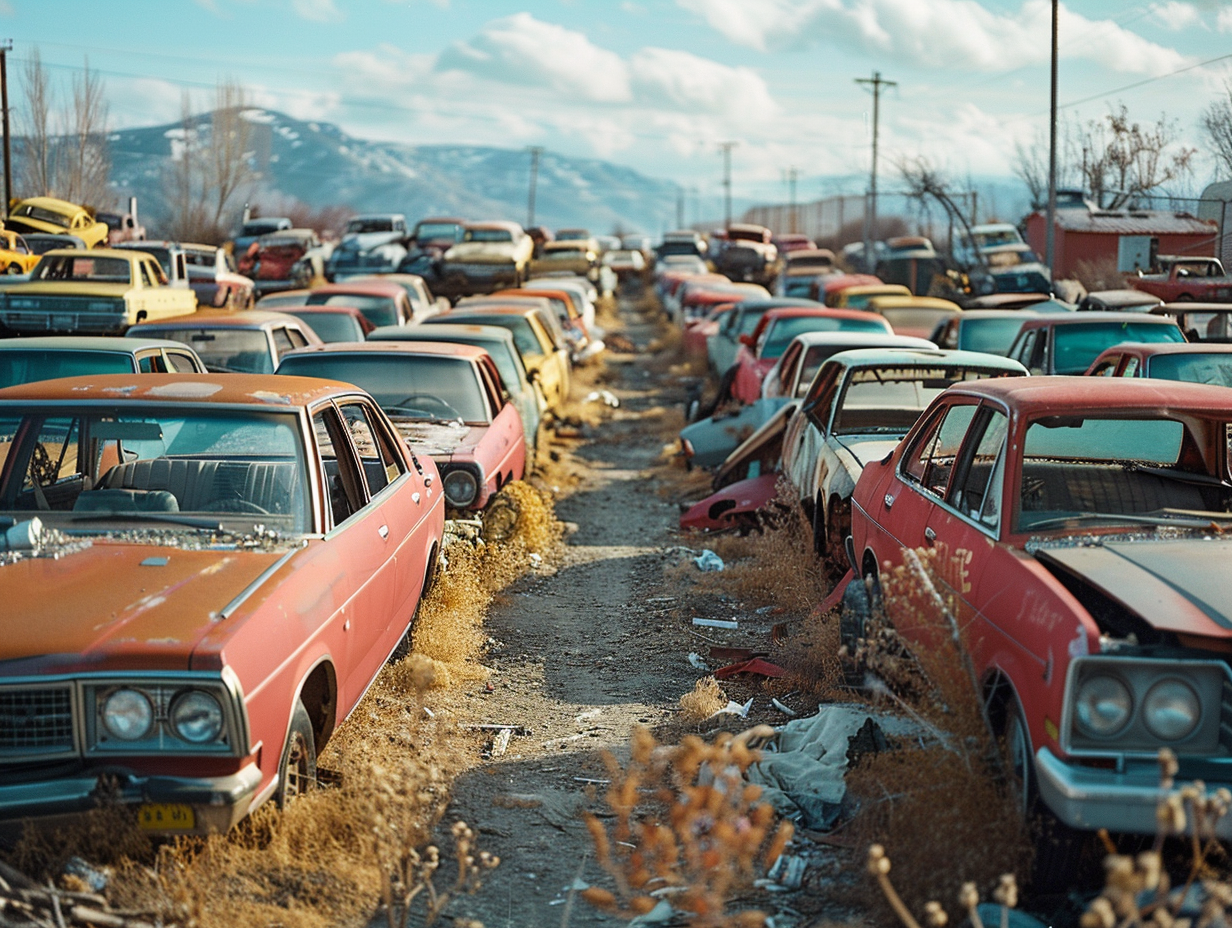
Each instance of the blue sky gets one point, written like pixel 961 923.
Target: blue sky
pixel 654 84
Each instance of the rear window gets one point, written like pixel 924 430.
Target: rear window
pixel 379 310
pixel 1193 368
pixel 780 334
pixel 991 335
pixel 885 399
pixel 17 367
pixel 332 327
pixel 1076 346
pixel 225 351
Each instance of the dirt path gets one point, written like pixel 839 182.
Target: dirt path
pixel 579 658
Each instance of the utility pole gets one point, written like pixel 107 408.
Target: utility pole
pixel 870 214
pixel 726 147
pixel 1050 239
pixel 679 207
pixel 5 48
pixel 793 217
pixel 535 152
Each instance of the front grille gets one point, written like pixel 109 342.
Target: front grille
pixel 1225 716
pixel 36 720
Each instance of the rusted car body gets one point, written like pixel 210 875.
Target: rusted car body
pixel 445 399
pixel 723 346
pixel 233 560
pixel 1185 277
pixel 215 278
pixel 1067 343
pixel 748 254
pixel 234 343
pixel 48 214
pixel 775 330
pixel 490 256
pixel 280 261
pixel 1192 363
pixel 1077 525
pixel 857 408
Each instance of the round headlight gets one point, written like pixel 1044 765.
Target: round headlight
pixel 1103 706
pixel 461 487
pixel 196 717
pixel 128 715
pixel 1171 710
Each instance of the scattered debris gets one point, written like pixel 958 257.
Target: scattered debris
pixel 787 872
pixel 758 666
pixel 716 623
pixel 708 561
pixel 732 655
pixel 782 708
pixel 697 662
pixel 734 708
pixel 606 397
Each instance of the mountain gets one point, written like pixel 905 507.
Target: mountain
pixel 319 165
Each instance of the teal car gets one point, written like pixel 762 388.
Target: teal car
pixel 26 360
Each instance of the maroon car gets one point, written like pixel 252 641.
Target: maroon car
pixel 445 399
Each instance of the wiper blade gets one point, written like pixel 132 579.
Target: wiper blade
pixel 169 517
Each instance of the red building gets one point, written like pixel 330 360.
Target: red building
pixel 1091 236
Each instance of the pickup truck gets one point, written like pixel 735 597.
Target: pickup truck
pixel 100 291
pixel 748 254
pixel 1186 278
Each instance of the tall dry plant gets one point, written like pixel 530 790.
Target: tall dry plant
pixel 686 828
pixel 33 122
pixel 88 163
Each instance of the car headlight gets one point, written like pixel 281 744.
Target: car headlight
pixel 196 717
pixel 1171 710
pixel 1103 706
pixel 128 715
pixel 461 487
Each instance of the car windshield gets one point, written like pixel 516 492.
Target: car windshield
pixel 294 298
pixel 1076 346
pixel 861 300
pixel 426 231
pixel 125 461
pixel 997 237
pixel 261 226
pixel 797 286
pixel 912 318
pixel 378 224
pixel 1092 468
pixel 1022 282
pixel 331 327
pixel 83 267
pixel 379 310
pixel 161 255
pixel 26 365
pixel 1213 368
pixel 41 246
pixel 45 215
pixel 225 350
pixel 406 385
pixel 780 333
pixel 890 399
pixel 523 334
pixel 993 336
pixel 488 235
pixel 568 252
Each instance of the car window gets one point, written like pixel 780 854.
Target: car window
pixel 976 489
pixel 150 364
pixel 1131 366
pixel 181 363
pixel 1076 346
pixel 282 341
pixel 933 458
pixel 342 487
pixel 145 275
pixel 1106 368
pixel 381 464
pixel 53 459
pixel 297 337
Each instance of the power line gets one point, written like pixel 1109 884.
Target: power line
pixel 1143 83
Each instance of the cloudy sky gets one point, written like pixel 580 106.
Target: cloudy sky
pixel 656 84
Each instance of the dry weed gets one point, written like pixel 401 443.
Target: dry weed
pixel 705 699
pixel 776 567
pixel 686 828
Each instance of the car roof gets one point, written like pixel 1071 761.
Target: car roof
pixel 911 302
pixel 1185 306
pixel 318 309
pixel 823 312
pixel 366 287
pixel 485 310
pixel 125 254
pixel 923 357
pixel 273 390
pixel 88 343
pixel 843 281
pixel 869 339
pixel 1063 394
pixel 785 302
pixel 970 315
pixel 249 319
pixel 1152 348
pixel 439 349
pixel 441 332
pixel 1049 319
pixel 1123 297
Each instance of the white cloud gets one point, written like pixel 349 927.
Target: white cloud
pixel 1174 15
pixel 1223 22
pixel 952 34
pixel 318 11
pixel 692 83
pixel 524 50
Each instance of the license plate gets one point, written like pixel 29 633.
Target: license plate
pixel 63 321
pixel 162 816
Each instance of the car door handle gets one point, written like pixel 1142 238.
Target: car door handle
pixel 889 501
pixel 415 497
pixel 930 535
pixel 383 531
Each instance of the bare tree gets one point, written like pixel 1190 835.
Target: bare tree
pixel 228 168
pixel 1122 160
pixel 1030 164
pixel 88 165
pixel 184 185
pixel 34 127
pixel 1217 123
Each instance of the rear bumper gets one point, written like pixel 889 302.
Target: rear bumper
pixel 1090 798
pixel 218 803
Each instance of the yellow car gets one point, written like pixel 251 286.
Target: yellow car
pixel 47 214
pixel 15 255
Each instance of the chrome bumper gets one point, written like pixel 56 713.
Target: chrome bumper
pixel 1089 798
pixel 218 802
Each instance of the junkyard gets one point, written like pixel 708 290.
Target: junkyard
pixel 571 465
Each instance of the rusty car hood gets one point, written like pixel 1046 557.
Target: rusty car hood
pixel 1178 585
pixel 441 440
pixel 115 604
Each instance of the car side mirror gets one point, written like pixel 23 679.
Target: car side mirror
pixel 746 339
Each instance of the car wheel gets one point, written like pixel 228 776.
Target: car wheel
pixel 838 527
pixel 500 521
pixel 14 268
pixel 297 772
pixel 1060 851
pixel 819 528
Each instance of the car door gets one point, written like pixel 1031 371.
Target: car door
pixel 806 433
pixel 505 434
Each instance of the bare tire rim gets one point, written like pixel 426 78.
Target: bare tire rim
pixel 298 778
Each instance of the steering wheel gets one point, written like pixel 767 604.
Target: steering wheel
pixel 427 403
pixel 234 505
pixel 43 470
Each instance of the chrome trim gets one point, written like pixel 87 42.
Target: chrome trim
pixel 226 611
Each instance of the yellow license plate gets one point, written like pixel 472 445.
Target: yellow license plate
pixel 162 816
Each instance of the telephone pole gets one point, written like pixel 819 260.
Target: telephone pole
pixel 792 175
pixel 679 207
pixel 535 152
pixel 1050 253
pixel 5 48
pixel 726 148
pixel 870 214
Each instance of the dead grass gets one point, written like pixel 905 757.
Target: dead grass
pixel 776 567
pixel 703 701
